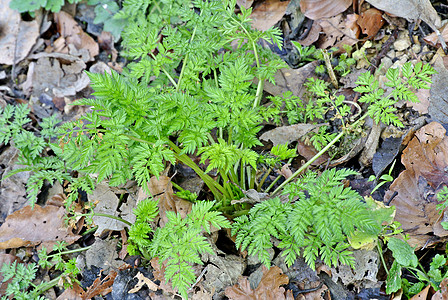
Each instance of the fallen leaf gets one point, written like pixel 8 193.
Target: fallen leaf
pixel 433 39
pixel 425 159
pixel 73 293
pixel 17 37
pixel 308 152
pixel 12 189
pixel 268 13
pixel 269 287
pixel 287 134
pixel 438 103
pixel 412 10
pixel 292 80
pixel 142 280
pixel 39 226
pixel 159 274
pixel 162 190
pixel 423 294
pixel 72 33
pixel 55 74
pixel 441 294
pixel 318 9
pixel 107 203
pixel 103 254
pixel 371 22
pixel 337 31
pixel 100 287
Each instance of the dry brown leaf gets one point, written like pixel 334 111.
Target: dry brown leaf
pixel 312 36
pixel 268 288
pixel 423 294
pixel 142 280
pixel 268 13
pixel 100 287
pixel 318 9
pixel 292 80
pixel 30 227
pixel 337 31
pixel 74 293
pixel 411 10
pixel 17 37
pixel 441 294
pixel 159 274
pixel 425 160
pixel 433 39
pixel 162 190
pixel 438 108
pixel 308 152
pixel 371 22
pixel 73 34
pixel 287 134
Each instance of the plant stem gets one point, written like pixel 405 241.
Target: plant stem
pixel 263 179
pixel 70 251
pixel 308 163
pixel 106 216
pixel 380 252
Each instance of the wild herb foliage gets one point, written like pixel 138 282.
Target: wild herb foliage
pixel 179 242
pixel 22 277
pixel 33 148
pixel 136 115
pixel 316 224
pixel 403 83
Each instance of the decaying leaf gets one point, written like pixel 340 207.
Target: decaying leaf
pixel 433 39
pixel 107 203
pixel 441 294
pixel 318 9
pixel 268 13
pixel 72 34
pixel 73 293
pixel 142 280
pixel 337 31
pixel 292 80
pixel 438 103
pixel 371 22
pixel 103 254
pixel 159 274
pixel 287 134
pixel 162 189
pixel 269 287
pixel 100 287
pixel 308 151
pixel 39 226
pixel 425 160
pixel 17 37
pixel 411 10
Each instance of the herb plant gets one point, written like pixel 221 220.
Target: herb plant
pixel 320 216
pixel 22 280
pixel 31 5
pixel 179 242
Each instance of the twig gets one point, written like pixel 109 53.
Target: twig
pixel 199 278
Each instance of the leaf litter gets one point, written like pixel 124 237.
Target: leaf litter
pixel 339 29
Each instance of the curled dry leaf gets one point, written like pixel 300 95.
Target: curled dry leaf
pixel 17 37
pixel 30 227
pixel 269 287
pixel 371 22
pixel 100 287
pixel 142 280
pixel 318 9
pixel 425 160
pixel 268 13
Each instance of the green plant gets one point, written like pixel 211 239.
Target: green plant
pixel 33 147
pixel 442 197
pixel 320 216
pixel 306 53
pixel 22 277
pixel 342 64
pixel 385 178
pixel 380 106
pixel 33 5
pixel 179 242
pixel 151 114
